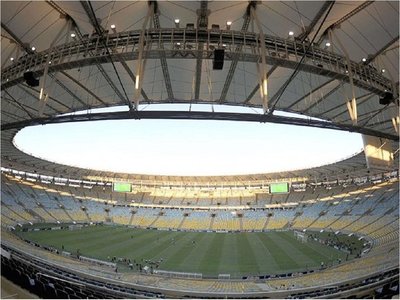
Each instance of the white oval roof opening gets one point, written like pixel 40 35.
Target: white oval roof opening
pixel 187 147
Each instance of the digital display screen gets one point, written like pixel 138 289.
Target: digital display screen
pixel 280 187
pixel 122 187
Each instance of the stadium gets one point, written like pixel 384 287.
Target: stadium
pixel 320 231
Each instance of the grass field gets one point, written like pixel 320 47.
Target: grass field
pixel 237 254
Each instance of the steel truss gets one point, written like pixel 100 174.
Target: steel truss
pixel 197 115
pixel 125 46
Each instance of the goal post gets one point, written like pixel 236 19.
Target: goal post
pixel 301 236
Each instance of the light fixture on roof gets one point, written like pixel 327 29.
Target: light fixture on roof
pixel 73 35
pixel 364 59
pixel 291 33
pixel 12 58
pixel 112 26
pixel 228 25
pixel 33 48
pixel 176 21
pixel 383 70
pixel 328 44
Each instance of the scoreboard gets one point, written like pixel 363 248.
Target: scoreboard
pixel 279 187
pixel 122 187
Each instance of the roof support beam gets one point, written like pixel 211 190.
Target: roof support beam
pixel 43 96
pixel 17 103
pixel 10 115
pixel 362 99
pixel 301 37
pixel 163 59
pixel 382 50
pixel 323 98
pixel 141 61
pixel 133 77
pixel 57 8
pixel 99 30
pixel 16 39
pixel 279 94
pixel 257 87
pixel 369 118
pixel 262 68
pixel 85 106
pixel 29 51
pixel 84 88
pixel 130 73
pixel 304 35
pixel 20 45
pixel 52 98
pixel 34 96
pixel 198 115
pixel 352 104
pixel 62 12
pixel 310 93
pixel 235 60
pixel 343 19
pixel 202 23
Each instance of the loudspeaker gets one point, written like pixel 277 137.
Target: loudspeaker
pixel 218 61
pixel 386 99
pixel 30 79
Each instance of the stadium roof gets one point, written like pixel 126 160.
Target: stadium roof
pixel 334 61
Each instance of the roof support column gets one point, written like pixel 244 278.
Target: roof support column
pixel 351 105
pixel 141 60
pixel 163 59
pixel 43 97
pixel 202 23
pixel 235 60
pixel 263 66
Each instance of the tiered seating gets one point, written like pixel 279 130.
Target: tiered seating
pixel 171 219
pixel 254 220
pixel 280 219
pixel 119 215
pixel 225 220
pixel 95 211
pixel 197 220
pixel 79 216
pixel 10 215
pixel 310 214
pixel 349 209
pixel 9 198
pixel 145 217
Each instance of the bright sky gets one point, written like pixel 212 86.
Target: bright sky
pixel 187 147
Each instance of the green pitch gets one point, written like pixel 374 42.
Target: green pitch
pixel 238 254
